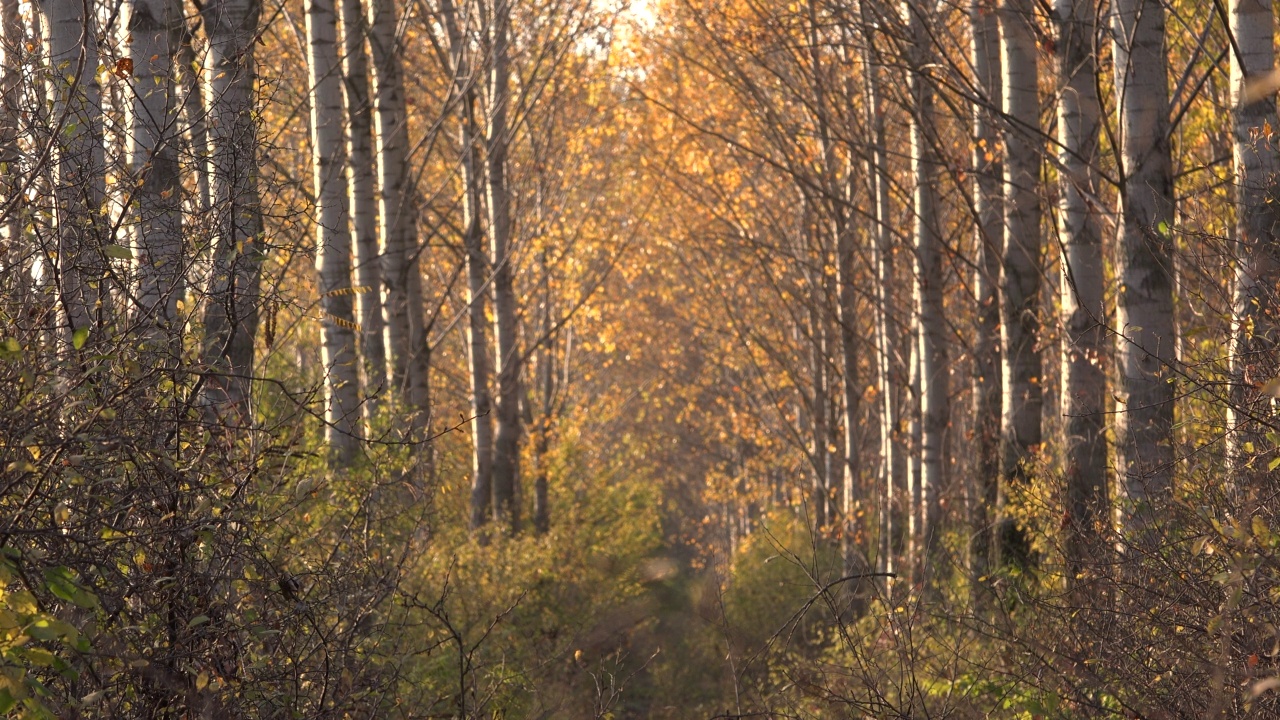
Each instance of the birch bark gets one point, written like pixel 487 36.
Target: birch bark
pixel 1257 165
pixel 231 315
pixel 155 27
pixel 1022 400
pixel 333 235
pixel 1083 378
pixel 1144 307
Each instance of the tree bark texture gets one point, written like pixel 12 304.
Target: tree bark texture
pixel 333 235
pixel 1144 307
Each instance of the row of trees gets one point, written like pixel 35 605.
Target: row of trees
pixel 981 157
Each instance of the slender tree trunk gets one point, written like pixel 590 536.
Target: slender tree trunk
pixel 362 180
pixel 191 89
pixel 80 267
pixel 546 383
pixel 231 317
pixel 506 458
pixel 1257 302
pixel 892 467
pixel 1144 306
pixel 156 29
pixel 333 235
pixel 818 409
pixel 477 299
pixel 1083 377
pixel 16 262
pixel 406 339
pixel 1020 427
pixel 989 208
pixel 929 280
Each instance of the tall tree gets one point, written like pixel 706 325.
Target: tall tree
pixel 333 234
pixel 932 336
pixel 191 92
pixel 363 182
pixel 988 207
pixel 892 455
pixel 1144 307
pixel 477 262
pixel 12 43
pixel 1257 166
pixel 506 445
pixel 406 340
pixel 156 29
pixel 1020 269
pixel 77 115
pixel 1080 236
pixel 231 317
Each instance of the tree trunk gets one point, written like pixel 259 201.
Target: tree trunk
pixel 364 202
pixel 333 235
pixel 506 458
pixel 1083 377
pixel 892 467
pixel 156 29
pixel 1144 307
pixel 546 383
pixel 15 261
pixel 406 338
pixel 989 209
pixel 231 317
pixel 1257 305
pixel 477 277
pixel 1020 428
pixel 191 88
pixel 929 280
pixel 77 114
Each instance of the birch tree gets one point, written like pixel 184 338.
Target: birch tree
pixel 156 28
pixel 12 41
pixel 1020 268
pixel 231 315
pixel 506 447
pixel 406 340
pixel 79 263
pixel 928 291
pixel 363 183
pixel 988 208
pixel 1257 167
pixel 1144 306
pixel 333 233
pixel 1080 236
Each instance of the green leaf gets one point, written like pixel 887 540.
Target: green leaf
pixel 62 585
pixel 1275 463
pixel 198 620
pixel 78 337
pixel 119 252
pixel 7 700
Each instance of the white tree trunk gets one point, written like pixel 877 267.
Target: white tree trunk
pixel 989 209
pixel 231 316
pixel 506 459
pixel 364 201
pixel 1020 272
pixel 77 113
pixel 15 260
pixel 333 234
pixel 156 27
pixel 1144 307
pixel 1257 165
pixel 477 326
pixel 191 87
pixel 1080 235
pixel 406 339
pixel 932 337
